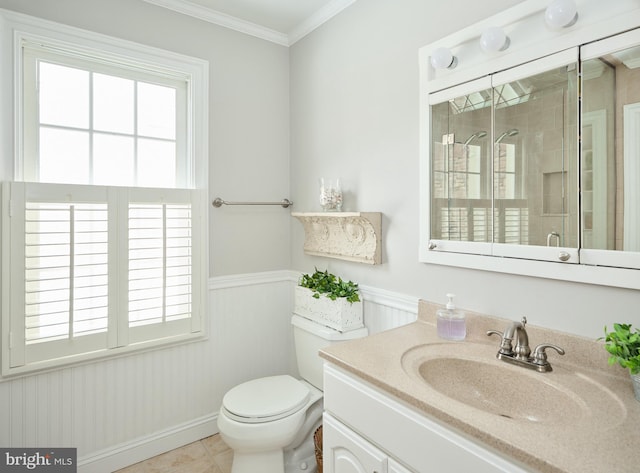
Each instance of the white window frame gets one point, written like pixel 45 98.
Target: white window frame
pixel 15 29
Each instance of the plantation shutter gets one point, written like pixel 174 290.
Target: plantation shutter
pixel 94 268
pixel 59 265
pixel 66 270
pixel 160 265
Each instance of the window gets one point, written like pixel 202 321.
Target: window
pixel 105 231
pixel 94 122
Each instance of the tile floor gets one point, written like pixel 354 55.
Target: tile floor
pixel 209 455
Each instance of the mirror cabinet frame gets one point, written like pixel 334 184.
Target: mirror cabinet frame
pixel 530 41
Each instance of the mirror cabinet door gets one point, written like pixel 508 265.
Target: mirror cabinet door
pixel 534 165
pixel 610 152
pixel 503 163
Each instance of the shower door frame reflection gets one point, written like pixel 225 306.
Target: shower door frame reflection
pixel 442 198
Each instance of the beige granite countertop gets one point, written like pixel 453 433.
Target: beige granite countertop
pixel 559 446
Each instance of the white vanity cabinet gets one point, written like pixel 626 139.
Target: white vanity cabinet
pixel 345 451
pixel 368 430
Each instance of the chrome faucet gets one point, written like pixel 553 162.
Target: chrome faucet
pixel 520 353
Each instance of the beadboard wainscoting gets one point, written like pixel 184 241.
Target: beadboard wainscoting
pixel 122 410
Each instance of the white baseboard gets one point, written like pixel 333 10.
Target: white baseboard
pixel 123 455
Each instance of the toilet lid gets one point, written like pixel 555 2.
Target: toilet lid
pixel 265 399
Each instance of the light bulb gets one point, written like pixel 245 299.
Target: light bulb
pixel 442 58
pixel 561 13
pixel 493 39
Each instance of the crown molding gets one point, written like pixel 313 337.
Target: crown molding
pixel 318 18
pixel 222 19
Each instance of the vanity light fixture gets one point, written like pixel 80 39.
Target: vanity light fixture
pixel 442 58
pixel 494 39
pixel 561 14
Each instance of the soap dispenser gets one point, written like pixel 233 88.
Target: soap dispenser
pixel 451 322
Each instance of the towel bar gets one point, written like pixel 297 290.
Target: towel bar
pixel 218 202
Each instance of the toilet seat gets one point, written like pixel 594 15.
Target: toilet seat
pixel 265 399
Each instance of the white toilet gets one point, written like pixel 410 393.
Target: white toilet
pixel 269 422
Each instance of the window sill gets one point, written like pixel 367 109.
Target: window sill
pixel 10 374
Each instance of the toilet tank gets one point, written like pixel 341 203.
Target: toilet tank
pixel 310 337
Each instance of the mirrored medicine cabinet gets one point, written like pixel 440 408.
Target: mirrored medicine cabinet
pixel 539 162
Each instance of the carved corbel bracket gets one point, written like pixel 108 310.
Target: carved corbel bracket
pixel 351 236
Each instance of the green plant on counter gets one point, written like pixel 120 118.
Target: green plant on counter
pixel 323 282
pixel 623 346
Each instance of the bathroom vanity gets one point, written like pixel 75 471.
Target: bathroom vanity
pixel 406 401
pixel 364 426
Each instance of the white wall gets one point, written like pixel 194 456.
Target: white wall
pixel 354 115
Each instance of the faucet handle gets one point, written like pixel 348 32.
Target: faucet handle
pixel 524 321
pixel 540 355
pixel 506 348
pixel 495 332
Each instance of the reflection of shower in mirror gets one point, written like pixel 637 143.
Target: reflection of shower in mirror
pixel 508 133
pixel 476 135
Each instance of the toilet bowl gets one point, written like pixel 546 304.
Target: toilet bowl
pixel 260 431
pixel 269 422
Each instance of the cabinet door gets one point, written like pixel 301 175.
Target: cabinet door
pixel 344 451
pixel 395 467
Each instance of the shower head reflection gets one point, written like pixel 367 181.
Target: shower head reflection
pixel 507 134
pixel 476 135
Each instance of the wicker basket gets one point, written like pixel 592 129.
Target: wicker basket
pixel 317 442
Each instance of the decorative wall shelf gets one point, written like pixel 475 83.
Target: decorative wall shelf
pixel 350 236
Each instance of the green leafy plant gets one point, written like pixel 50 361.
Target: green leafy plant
pixel 323 282
pixel 623 346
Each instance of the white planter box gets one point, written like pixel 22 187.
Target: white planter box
pixel 340 314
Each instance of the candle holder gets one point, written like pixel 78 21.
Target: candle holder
pixel 330 195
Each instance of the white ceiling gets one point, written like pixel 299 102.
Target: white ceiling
pixel 281 21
